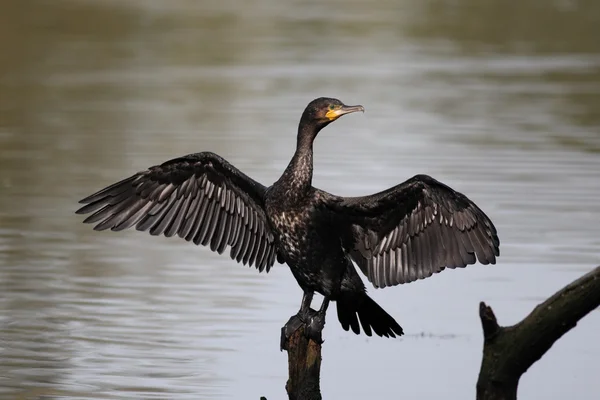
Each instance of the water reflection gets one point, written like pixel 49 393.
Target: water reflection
pixel 476 94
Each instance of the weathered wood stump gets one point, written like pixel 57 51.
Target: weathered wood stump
pixel 509 351
pixel 304 364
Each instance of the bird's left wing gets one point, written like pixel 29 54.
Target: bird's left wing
pixel 200 197
pixel 413 230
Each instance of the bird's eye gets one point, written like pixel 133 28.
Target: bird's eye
pixel 331 107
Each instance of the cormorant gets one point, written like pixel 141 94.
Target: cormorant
pixel 405 233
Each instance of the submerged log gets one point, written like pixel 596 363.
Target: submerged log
pixel 509 351
pixel 304 363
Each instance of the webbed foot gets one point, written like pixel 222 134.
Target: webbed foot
pixel 313 323
pixel 314 327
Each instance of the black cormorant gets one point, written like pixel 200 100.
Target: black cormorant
pixel 405 233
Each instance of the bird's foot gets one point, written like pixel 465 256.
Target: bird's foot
pixel 314 327
pixel 288 330
pixel 313 323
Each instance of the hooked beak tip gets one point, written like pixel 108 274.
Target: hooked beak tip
pixel 351 109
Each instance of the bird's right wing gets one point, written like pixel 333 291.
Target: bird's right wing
pixel 200 197
pixel 413 230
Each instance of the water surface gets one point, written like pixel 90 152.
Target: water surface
pixel 500 101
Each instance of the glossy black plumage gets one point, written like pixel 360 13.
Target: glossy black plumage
pixel 416 229
pixel 407 232
pixel 199 197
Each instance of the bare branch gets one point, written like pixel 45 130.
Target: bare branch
pixel 509 351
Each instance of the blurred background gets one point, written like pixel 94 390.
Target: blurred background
pixel 499 99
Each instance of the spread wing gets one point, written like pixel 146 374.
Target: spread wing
pixel 199 197
pixel 415 229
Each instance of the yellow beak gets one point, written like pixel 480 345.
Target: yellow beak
pixel 343 110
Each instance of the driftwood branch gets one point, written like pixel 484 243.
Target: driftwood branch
pixel 304 363
pixel 509 351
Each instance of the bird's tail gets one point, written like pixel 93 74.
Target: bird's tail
pixel 373 318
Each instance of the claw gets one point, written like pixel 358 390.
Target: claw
pixel 313 323
pixel 314 327
pixel 288 330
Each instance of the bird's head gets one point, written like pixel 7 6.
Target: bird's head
pixel 322 111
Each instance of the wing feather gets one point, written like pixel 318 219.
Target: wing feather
pixel 199 197
pixel 414 230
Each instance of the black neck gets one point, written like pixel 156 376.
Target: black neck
pixel 298 174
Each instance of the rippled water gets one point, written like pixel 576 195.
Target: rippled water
pixel 501 101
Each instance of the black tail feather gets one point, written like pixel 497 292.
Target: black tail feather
pixel 373 318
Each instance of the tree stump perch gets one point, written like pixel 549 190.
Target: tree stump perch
pixel 304 364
